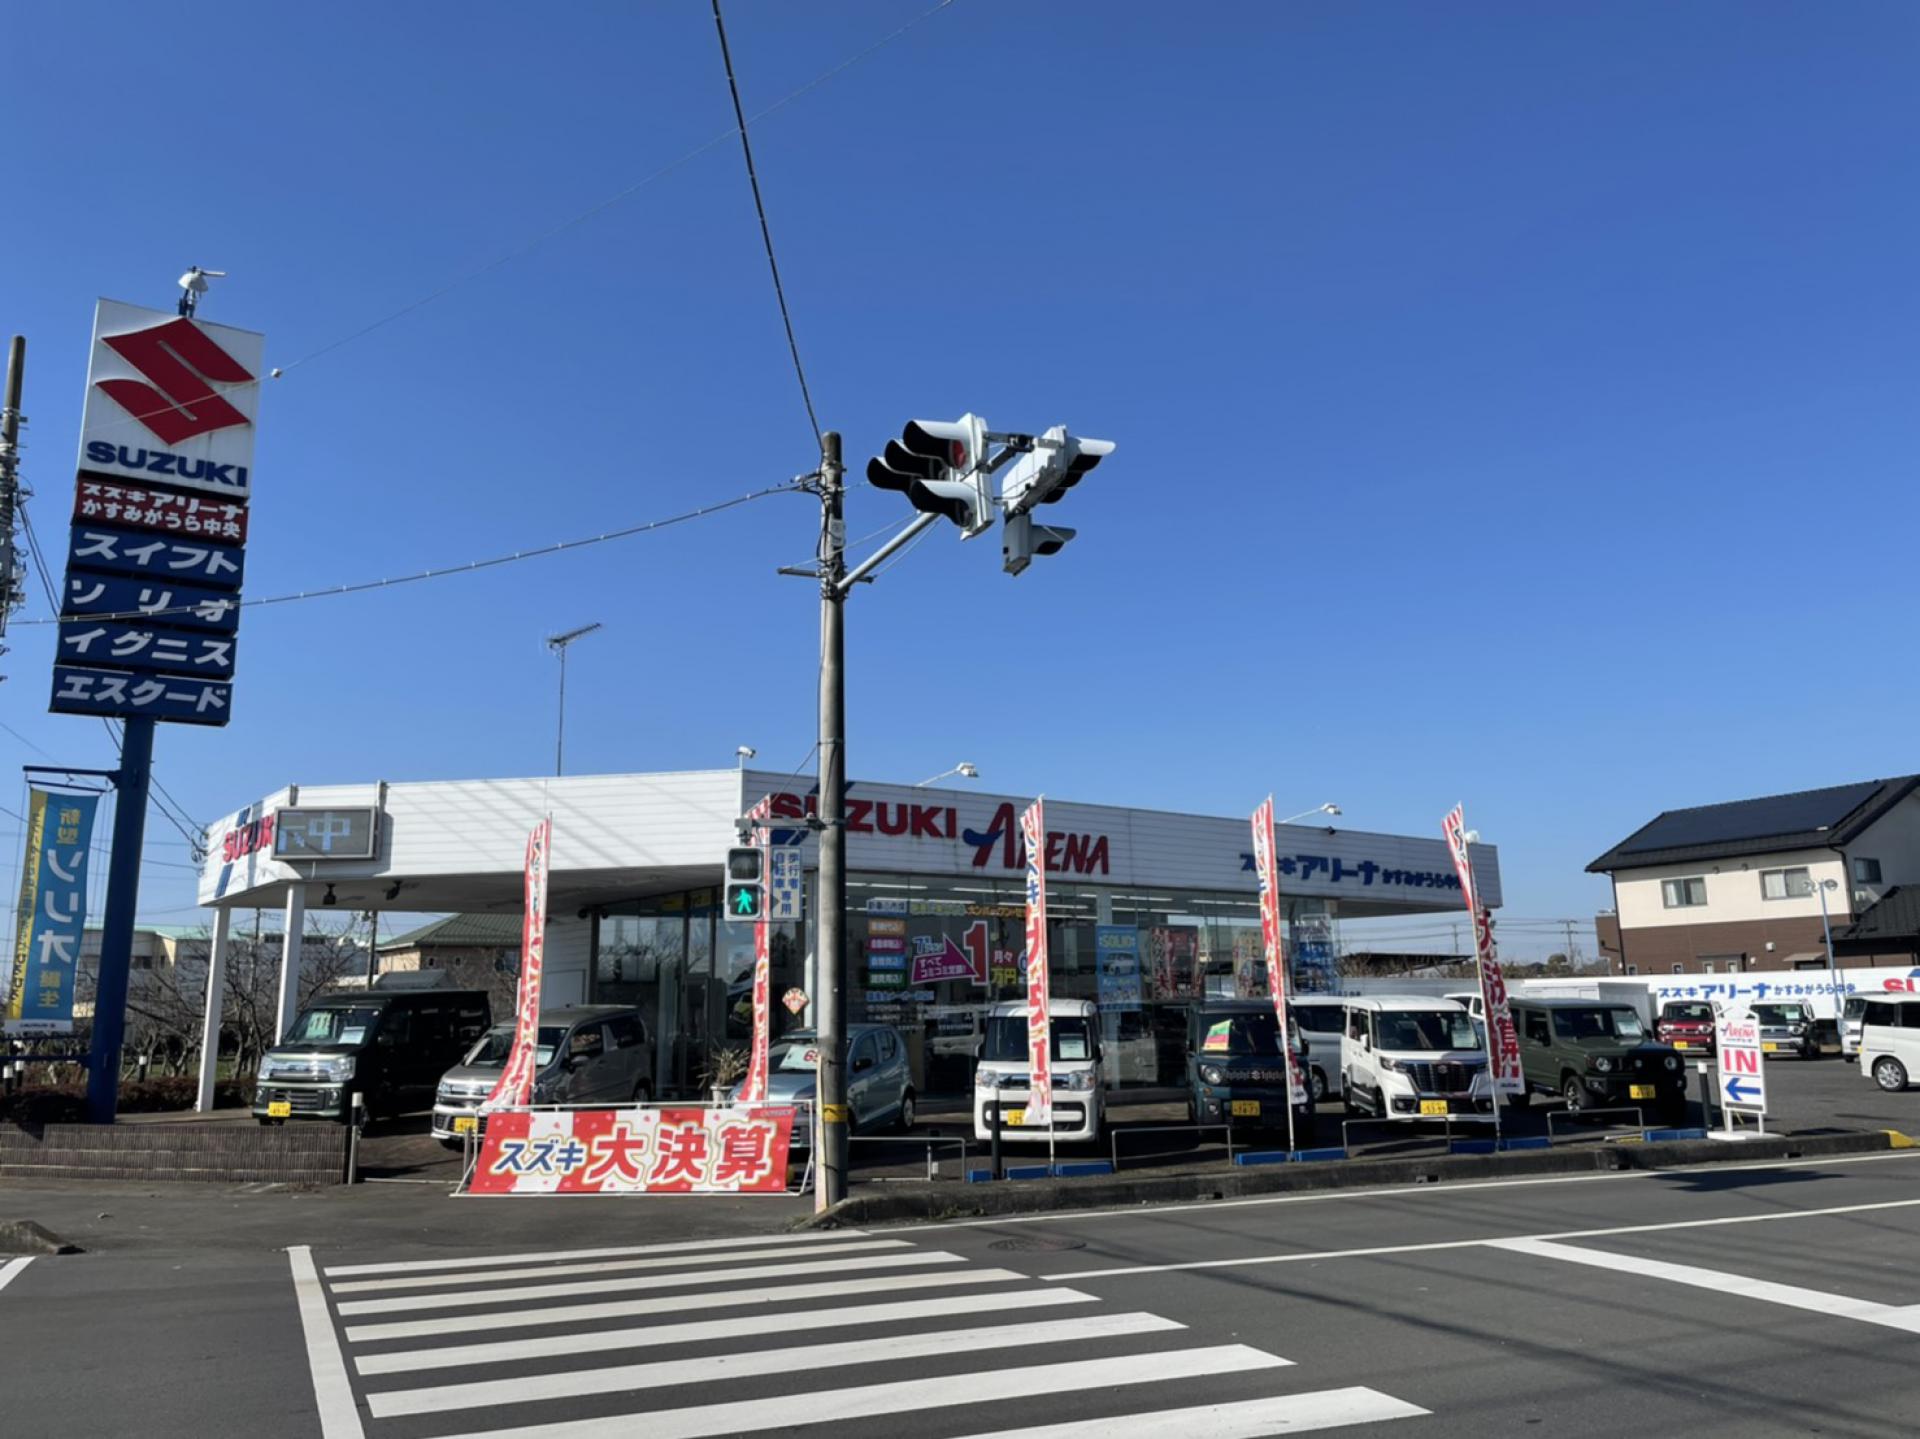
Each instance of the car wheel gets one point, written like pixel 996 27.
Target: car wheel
pixel 1319 1085
pixel 906 1116
pixel 1890 1074
pixel 1575 1093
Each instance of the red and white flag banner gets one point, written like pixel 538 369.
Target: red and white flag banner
pixel 635 1151
pixel 515 1085
pixel 1267 872
pixel 1033 833
pixel 754 1090
pixel 1503 1040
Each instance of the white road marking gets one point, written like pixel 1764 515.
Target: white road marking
pixel 1249 1419
pixel 689 1246
pixel 1075 1276
pixel 332 1390
pixel 719 1368
pixel 1426 1193
pixel 644 1281
pixel 605 1266
pixel 1838 1306
pixel 673 1304
pixel 784 1411
pixel 11 1269
pixel 737 1326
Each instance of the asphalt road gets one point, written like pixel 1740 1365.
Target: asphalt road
pixel 1749 1300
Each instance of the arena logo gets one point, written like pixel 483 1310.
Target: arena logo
pixel 1067 852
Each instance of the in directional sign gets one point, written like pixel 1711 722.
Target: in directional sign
pixel 1743 1080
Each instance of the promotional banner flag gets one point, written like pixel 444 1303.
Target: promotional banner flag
pixel 515 1086
pixel 754 1090
pixel 1503 1041
pixel 1269 880
pixel 1033 832
pixel 52 914
pixel 636 1151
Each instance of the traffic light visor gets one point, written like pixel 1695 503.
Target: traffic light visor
pixel 745 865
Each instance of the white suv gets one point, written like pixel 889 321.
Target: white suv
pixel 1001 1079
pixel 1412 1057
pixel 1890 1040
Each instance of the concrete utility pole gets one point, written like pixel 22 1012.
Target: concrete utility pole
pixel 10 482
pixel 831 926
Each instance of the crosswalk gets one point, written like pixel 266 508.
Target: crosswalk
pixel 773 1334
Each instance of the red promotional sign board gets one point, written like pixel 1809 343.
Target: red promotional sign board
pixel 1033 829
pixel 734 1150
pixel 1503 1040
pixel 515 1085
pixel 1269 880
pixel 754 1089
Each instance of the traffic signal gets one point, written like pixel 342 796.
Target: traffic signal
pixel 1042 476
pixel 746 889
pixel 941 467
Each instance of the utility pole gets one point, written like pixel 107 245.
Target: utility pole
pixel 831 926
pixel 10 482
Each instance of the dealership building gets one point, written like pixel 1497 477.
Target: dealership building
pixel 1148 911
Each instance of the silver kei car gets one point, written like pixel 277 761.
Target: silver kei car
pixel 585 1054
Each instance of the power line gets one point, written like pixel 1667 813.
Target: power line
pixel 766 234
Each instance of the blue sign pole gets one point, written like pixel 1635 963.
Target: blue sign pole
pixel 116 937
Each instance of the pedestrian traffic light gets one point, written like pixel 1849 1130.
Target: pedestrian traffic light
pixel 746 889
pixel 1043 476
pixel 941 467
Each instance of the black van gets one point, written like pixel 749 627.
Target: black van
pixel 389 1044
pixel 1236 1074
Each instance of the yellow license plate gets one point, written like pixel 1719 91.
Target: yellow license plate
pixel 1680 1044
pixel 1769 1048
pixel 280 1109
pixel 466 1124
pixel 1246 1106
pixel 1641 1091
pixel 1433 1106
pixel 1013 1118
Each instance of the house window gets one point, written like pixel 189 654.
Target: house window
pixel 1706 966
pixel 1679 969
pixel 1633 969
pixel 1683 893
pixel 1786 883
pixel 1866 871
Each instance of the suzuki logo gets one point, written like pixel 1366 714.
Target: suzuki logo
pixel 179 403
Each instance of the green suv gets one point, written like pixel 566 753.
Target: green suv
pixel 1597 1055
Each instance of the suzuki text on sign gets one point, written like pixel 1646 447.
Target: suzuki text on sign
pixel 663 1150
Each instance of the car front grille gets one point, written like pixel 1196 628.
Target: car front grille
pixel 1442 1077
pixel 1251 1075
pixel 300 1101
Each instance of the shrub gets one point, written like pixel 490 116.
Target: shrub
pixel 67 1103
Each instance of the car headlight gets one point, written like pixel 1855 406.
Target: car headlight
pixel 1211 1074
pixel 1602 1064
pixel 338 1070
pixel 1673 1061
pixel 1387 1061
pixel 1080 1079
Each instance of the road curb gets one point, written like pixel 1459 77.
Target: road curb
pixel 899 1203
pixel 23 1236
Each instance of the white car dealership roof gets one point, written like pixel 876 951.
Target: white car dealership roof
pixel 459 845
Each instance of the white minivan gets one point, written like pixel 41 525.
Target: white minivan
pixel 1890 1040
pixel 1000 1080
pixel 1414 1057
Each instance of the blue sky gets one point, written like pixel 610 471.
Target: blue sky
pixel 1515 402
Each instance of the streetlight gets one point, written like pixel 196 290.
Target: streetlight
pixel 743 753
pixel 1317 809
pixel 558 644
pixel 963 769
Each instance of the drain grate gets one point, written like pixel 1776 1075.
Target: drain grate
pixel 1039 1244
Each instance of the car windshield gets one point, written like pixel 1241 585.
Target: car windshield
pixel 1318 1018
pixel 1780 1013
pixel 1007 1038
pixel 497 1043
pixel 1424 1029
pixel 1689 1013
pixel 797 1052
pixel 333 1026
pixel 1598 1023
pixel 1239 1034
pixel 1856 1006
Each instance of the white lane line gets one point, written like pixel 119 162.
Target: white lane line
pixel 1249 1419
pixel 645 1281
pixel 1837 1306
pixel 718 1368
pixel 332 1390
pixel 785 1411
pixel 1075 1276
pixel 1419 1193
pixel 689 1246
pixel 673 1304
pixel 735 1326
pixel 606 1266
pixel 11 1269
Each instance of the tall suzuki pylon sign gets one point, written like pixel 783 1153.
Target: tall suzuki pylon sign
pixel 150 603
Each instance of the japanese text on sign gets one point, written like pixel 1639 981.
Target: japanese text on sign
pixel 636 1151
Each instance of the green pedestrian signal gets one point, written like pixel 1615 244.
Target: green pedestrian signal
pixel 746 894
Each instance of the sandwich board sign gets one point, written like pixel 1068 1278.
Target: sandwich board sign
pixel 1743 1078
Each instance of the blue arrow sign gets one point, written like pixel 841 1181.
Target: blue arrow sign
pixel 1740 1090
